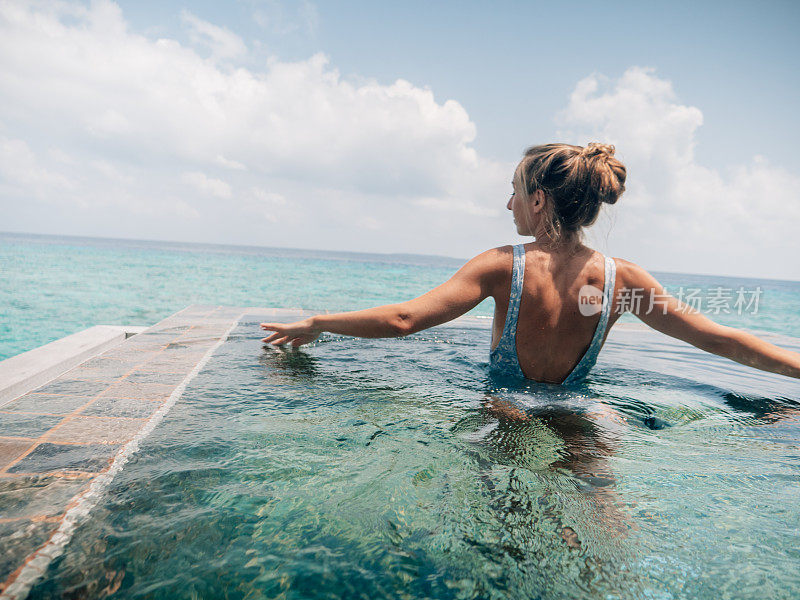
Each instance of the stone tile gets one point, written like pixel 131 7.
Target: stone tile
pixel 47 458
pixel 194 311
pixel 145 351
pixel 96 430
pixel 195 343
pixel 228 312
pixel 19 540
pixel 22 425
pixel 201 332
pixel 149 342
pixel 145 376
pixel 101 368
pixel 38 496
pixel 141 391
pixel 47 403
pixel 173 329
pixel 131 356
pixel 167 365
pixel 121 407
pixel 187 358
pixel 73 387
pixel 163 335
pixel 10 450
pixel 177 321
pixel 191 346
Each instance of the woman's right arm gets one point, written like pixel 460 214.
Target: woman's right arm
pixel 666 314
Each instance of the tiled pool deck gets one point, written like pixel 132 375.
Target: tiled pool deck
pixel 61 444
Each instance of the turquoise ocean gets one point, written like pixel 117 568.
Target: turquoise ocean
pixel 52 286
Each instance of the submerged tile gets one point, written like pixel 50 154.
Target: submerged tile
pixel 191 346
pixel 171 329
pixel 10 450
pixel 23 425
pixel 96 430
pixel 175 365
pixel 47 458
pixel 142 391
pixel 101 368
pixel 37 496
pixel 232 313
pixel 122 407
pixel 19 540
pixel 74 387
pixel 130 356
pixel 149 343
pixel 55 404
pixel 146 376
pixel 201 332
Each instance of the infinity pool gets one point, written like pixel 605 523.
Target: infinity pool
pixel 396 469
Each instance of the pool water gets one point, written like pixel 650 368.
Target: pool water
pixel 396 468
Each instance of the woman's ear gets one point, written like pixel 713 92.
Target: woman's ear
pixel 537 201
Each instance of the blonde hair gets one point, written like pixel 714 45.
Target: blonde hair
pixel 575 180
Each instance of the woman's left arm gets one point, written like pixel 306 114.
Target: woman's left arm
pixel 473 282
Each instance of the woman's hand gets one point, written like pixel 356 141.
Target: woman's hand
pixel 296 334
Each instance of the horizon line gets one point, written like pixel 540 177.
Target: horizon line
pixel 350 252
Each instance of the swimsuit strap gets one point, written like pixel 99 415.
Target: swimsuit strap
pixel 515 295
pixel 590 357
pixel 504 357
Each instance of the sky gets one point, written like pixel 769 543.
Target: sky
pixel 396 127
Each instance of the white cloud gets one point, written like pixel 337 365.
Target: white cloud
pixel 270 206
pixel 109 123
pixel 21 170
pixel 229 164
pixel 207 185
pixel 221 42
pixel 676 213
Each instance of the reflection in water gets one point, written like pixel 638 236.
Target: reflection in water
pixel 563 445
pixel 294 363
pixel 543 460
pixel 765 410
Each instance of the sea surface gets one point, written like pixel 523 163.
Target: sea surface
pixel 53 286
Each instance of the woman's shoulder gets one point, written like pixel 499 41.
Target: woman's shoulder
pixel 492 266
pixel 632 275
pixel 493 256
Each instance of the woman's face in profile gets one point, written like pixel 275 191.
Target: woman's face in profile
pixel 523 214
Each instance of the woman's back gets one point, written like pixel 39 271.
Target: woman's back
pixel 554 329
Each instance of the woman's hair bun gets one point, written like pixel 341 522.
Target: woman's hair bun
pixel 607 174
pixel 597 149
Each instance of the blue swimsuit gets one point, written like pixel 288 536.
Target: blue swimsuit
pixel 503 359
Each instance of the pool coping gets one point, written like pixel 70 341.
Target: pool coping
pixel 34 368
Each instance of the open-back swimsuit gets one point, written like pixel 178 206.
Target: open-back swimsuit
pixel 503 359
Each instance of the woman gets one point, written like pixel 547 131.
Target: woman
pixel 555 299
